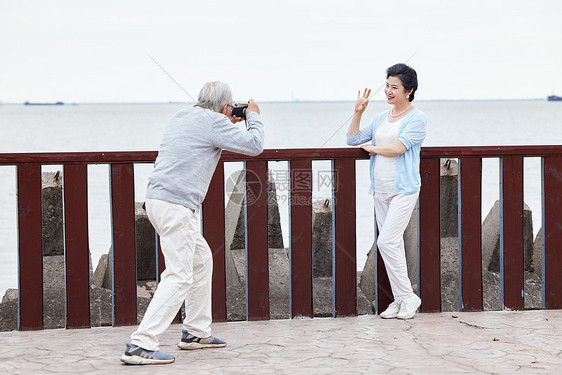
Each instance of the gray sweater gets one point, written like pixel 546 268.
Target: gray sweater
pixel 191 149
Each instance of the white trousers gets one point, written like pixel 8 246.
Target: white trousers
pixel 393 212
pixel 186 279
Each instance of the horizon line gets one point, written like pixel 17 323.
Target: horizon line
pixel 296 101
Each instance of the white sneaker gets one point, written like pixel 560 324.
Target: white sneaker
pixel 409 306
pixel 392 310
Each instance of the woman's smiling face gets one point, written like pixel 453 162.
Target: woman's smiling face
pixel 394 90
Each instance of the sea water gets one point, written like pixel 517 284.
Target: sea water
pixel 139 127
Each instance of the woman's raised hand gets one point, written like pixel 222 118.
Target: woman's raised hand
pixel 362 100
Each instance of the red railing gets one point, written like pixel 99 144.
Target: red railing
pixel 343 166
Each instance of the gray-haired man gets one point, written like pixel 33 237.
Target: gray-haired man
pixel 187 158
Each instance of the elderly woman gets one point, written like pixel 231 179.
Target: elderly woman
pixel 396 137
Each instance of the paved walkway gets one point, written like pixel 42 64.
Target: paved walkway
pixel 444 343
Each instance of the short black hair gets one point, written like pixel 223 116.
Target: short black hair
pixel 407 76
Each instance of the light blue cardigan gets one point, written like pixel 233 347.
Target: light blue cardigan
pixel 411 133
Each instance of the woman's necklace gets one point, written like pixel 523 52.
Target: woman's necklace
pixel 401 113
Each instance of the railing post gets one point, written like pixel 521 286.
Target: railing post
pixel 76 245
pixel 511 233
pixel 552 232
pixel 213 231
pixel 429 236
pixel 123 244
pixel 470 233
pixel 30 249
pixel 344 242
pixel 300 211
pixel 257 250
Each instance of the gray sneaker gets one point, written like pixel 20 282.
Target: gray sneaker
pixel 135 355
pixel 190 342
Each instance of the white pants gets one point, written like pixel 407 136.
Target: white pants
pixel 186 279
pixel 393 212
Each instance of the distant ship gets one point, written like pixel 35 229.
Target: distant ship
pixel 55 103
pixel 554 98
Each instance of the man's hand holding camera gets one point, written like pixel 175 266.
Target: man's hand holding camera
pixel 253 107
pixel 238 112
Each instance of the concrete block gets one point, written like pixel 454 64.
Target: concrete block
pixel 145 244
pixel 448 211
pixel 52 215
pixel 275 235
pixel 367 279
pixel 491 238
pixel 448 196
pixel 101 270
pixel 537 254
pixel 322 239
pixel 449 263
pixel 9 315
pixel 10 295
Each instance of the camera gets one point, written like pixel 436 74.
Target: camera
pixel 239 110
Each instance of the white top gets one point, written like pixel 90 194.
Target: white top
pixel 385 166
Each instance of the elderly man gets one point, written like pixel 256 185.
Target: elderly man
pixel 188 156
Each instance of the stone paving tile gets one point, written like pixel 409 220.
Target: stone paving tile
pixel 444 343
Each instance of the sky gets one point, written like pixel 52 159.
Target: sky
pixel 97 51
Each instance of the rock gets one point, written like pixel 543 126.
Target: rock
pixel 146 288
pixel 367 279
pixel 10 295
pixel 235 302
pixel 275 235
pixel 52 214
pixel 449 275
pixel 490 282
pixel 528 250
pixel 537 254
pixel 492 289
pixel 533 290
pixel 235 237
pixel 100 273
pixel 108 278
pixel 322 296
pixel 279 289
pixel 100 307
pixel 142 305
pixel 322 239
pixel 448 196
pixel 449 264
pixel 54 296
pixel 54 312
pixel 364 306
pixel 145 246
pixel 448 212
pixel 491 239
pixel 234 208
pixel 236 289
pixel 53 272
pixel 145 243
pixel 279 284
pixel 9 315
pixel 9 311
